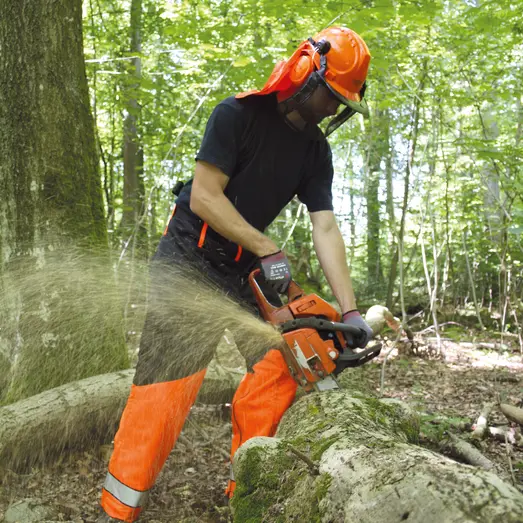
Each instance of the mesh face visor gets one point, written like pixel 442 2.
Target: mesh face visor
pixel 351 109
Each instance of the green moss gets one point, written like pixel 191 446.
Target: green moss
pixel 321 445
pixel 312 409
pixel 279 489
pixel 377 411
pixel 323 484
pixel 259 489
pixel 249 502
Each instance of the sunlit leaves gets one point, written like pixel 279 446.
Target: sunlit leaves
pixel 196 53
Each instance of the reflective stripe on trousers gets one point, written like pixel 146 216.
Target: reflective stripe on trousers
pixel 151 422
pixel 127 495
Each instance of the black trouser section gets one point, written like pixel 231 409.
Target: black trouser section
pixel 172 346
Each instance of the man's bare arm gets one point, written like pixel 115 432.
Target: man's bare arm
pixel 209 202
pixel 330 249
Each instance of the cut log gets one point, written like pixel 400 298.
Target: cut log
pixel 512 413
pixel 378 316
pixel 507 434
pixel 370 469
pixel 83 414
pixel 466 452
pixel 480 428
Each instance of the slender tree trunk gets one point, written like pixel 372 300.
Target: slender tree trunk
pixel 352 213
pixel 471 280
pixel 377 149
pixel 111 218
pixel 406 186
pixel 393 251
pixel 133 222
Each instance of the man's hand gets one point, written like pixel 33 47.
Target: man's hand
pixel 276 270
pixel 354 319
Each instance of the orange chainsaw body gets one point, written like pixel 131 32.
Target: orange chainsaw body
pixel 310 358
pixel 314 340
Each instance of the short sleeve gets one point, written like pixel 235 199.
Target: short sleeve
pixel 316 189
pixel 221 141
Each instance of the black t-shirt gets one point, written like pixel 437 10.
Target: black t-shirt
pixel 268 162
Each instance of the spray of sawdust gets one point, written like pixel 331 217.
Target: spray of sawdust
pixel 60 319
pixel 187 315
pixel 67 315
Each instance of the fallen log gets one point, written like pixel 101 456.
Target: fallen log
pixel 467 453
pixel 83 414
pixel 378 316
pixel 480 427
pixel 512 413
pixel 369 469
pixel 507 435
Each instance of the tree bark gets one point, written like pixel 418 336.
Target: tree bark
pixel 83 414
pixel 51 199
pixel 133 222
pixel 48 160
pixel 368 469
pixel 377 150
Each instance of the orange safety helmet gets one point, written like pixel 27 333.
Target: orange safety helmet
pixel 336 57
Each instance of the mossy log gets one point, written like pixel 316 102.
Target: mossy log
pixel 362 465
pixel 82 414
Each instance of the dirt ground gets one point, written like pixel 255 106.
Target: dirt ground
pixel 448 394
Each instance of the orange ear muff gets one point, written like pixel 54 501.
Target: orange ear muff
pixel 301 71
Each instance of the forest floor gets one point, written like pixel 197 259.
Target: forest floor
pixel 448 394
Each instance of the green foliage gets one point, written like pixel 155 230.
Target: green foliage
pixel 454 65
pixel 435 427
pixel 456 333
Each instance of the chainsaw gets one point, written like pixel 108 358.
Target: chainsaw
pixel 315 348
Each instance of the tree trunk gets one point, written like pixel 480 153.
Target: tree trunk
pixel 48 159
pixel 346 456
pixel 83 414
pixel 391 214
pixel 51 197
pixel 399 253
pixel 377 150
pixel 133 222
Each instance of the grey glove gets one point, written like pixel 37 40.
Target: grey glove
pixel 354 319
pixel 277 271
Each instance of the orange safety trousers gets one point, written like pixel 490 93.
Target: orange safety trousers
pixel 154 417
pixel 260 401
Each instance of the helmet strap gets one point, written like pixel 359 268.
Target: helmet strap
pixel 303 94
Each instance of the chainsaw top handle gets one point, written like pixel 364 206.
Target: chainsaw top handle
pixel 320 324
pixel 269 311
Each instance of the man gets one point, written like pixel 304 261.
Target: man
pixel 260 149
